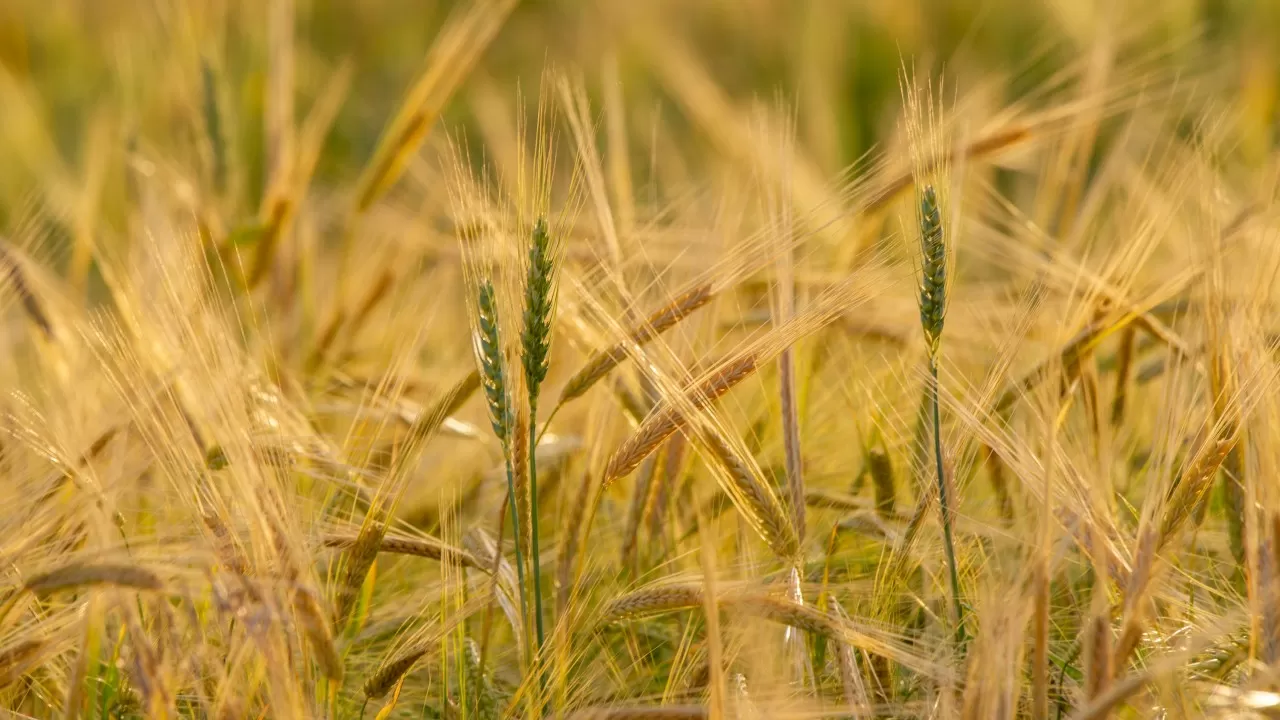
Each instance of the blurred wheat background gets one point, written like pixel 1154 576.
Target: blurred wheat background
pixel 655 359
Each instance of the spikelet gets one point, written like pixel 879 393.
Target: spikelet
pixel 12 272
pixel 17 659
pixel 663 319
pixel 753 498
pixel 933 268
pixel 490 353
pixel 390 672
pixel 651 601
pixel 81 575
pixel 486 704
pixel 316 628
pixel 882 481
pixel 419 547
pixel 666 420
pixel 539 306
pixel 359 558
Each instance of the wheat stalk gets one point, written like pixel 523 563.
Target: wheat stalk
pixel 933 313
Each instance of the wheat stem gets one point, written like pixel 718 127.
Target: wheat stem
pixel 944 503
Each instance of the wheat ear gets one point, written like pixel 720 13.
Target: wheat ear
pixel 665 419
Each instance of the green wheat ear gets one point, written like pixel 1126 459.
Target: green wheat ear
pixel 539 299
pixel 933 285
pixel 495 386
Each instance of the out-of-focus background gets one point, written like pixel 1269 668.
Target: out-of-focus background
pixel 75 70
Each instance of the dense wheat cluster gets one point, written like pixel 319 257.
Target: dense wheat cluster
pixel 605 359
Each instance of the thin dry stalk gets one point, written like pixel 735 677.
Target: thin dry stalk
pixel 1040 642
pixel 635 514
pixel 571 538
pixel 651 601
pixel 665 420
pixel 81 575
pixel 666 317
pixel 453 54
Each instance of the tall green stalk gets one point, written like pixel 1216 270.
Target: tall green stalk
pixel 540 297
pixel 933 313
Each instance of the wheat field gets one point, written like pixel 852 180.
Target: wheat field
pixel 622 360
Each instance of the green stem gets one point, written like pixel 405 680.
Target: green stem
pixel 545 424
pixel 944 503
pixel 515 533
pixel 536 560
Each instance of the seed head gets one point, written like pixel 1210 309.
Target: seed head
pixel 490 350
pixel 933 284
pixel 539 300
